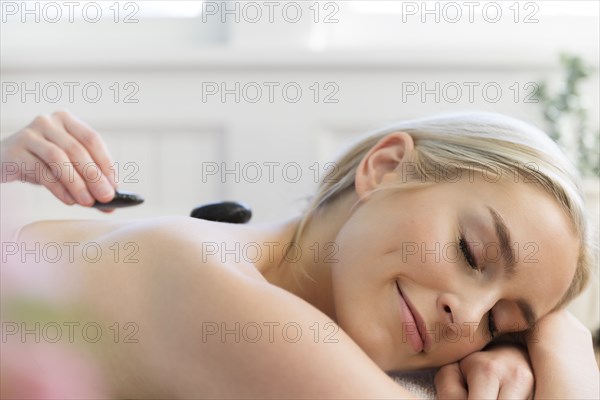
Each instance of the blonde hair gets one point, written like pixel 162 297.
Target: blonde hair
pixel 476 141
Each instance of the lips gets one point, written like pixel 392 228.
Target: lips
pixel 425 339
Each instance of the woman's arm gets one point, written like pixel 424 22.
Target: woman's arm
pixel 559 356
pixel 562 355
pixel 208 330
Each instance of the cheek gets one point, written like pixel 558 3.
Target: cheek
pixel 372 251
pixel 358 264
pixel 361 243
pixel 362 290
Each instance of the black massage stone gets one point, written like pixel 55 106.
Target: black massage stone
pixel 121 199
pixel 226 211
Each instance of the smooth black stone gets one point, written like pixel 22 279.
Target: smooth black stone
pixel 121 199
pixel 226 211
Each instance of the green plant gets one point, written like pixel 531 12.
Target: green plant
pixel 567 118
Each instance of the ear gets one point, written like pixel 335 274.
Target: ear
pixel 381 164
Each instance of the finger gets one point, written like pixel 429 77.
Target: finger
pixel 510 391
pixel 54 185
pixel 94 144
pixel 51 156
pixel 482 384
pixel 518 386
pixel 107 211
pixel 97 184
pixel 450 383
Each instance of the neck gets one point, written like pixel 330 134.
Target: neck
pixel 306 271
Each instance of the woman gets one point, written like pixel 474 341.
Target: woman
pixel 433 244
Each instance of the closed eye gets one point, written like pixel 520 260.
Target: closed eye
pixel 467 254
pixel 492 328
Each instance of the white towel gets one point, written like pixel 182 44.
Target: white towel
pixel 421 383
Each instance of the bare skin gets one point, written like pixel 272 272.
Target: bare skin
pixel 106 287
pixel 172 297
pixel 185 280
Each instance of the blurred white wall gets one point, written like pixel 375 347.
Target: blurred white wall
pixel 335 70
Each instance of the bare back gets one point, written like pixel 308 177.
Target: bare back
pixel 188 325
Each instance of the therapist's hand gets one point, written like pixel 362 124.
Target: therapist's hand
pixel 63 154
pixel 501 372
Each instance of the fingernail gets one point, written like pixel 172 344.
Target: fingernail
pixel 106 191
pixel 85 198
pixel 69 199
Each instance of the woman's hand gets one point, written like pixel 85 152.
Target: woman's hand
pixel 63 154
pixel 501 372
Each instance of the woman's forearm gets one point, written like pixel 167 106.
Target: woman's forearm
pixel 562 357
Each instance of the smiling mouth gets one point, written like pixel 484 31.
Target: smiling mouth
pixel 418 322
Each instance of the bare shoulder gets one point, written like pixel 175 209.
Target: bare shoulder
pixel 206 329
pixel 164 235
pixel 241 337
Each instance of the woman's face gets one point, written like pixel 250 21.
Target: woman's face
pixel 401 273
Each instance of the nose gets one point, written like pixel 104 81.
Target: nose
pixel 465 312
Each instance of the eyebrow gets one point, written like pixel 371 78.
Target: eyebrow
pixel 506 250
pixel 509 259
